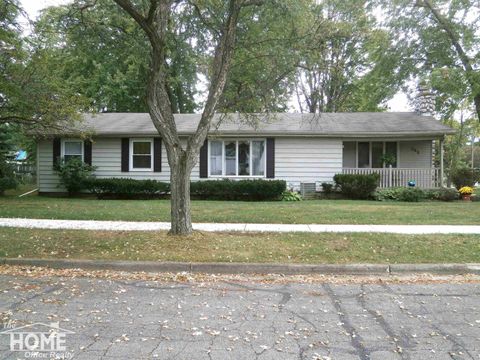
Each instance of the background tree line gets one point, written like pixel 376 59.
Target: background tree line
pixel 314 56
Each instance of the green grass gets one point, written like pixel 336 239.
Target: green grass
pixel 310 212
pixel 21 189
pixel 240 247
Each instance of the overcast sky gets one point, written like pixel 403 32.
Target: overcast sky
pixel 32 7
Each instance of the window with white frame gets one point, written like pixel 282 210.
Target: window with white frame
pixel 72 149
pixel 141 154
pixel 237 158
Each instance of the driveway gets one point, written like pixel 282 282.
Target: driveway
pixel 138 319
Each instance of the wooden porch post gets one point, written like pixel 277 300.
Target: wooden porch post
pixel 441 163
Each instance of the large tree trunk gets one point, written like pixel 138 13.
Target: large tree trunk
pixel 181 161
pixel 181 220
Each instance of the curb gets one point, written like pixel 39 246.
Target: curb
pixel 253 268
pixel 441 269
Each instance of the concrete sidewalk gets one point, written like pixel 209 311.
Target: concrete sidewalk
pixel 226 227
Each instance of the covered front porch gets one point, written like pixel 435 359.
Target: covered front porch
pixel 398 162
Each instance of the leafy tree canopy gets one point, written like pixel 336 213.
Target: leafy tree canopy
pixel 349 63
pixel 99 51
pixel 441 43
pixel 31 95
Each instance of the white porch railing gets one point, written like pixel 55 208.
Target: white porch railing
pixel 397 177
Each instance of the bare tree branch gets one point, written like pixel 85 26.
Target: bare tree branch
pixel 151 11
pixel 202 17
pixel 221 64
pixel 136 15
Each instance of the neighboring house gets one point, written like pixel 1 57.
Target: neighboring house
pixel 298 148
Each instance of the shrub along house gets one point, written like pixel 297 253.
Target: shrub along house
pixel 297 148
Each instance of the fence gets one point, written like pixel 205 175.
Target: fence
pixel 398 177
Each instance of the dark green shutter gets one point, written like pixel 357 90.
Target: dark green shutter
pixel 157 154
pixel 56 151
pixel 87 152
pixel 270 158
pixel 204 160
pixel 125 154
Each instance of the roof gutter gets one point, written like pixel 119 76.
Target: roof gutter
pixel 283 134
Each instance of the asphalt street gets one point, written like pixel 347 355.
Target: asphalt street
pixel 125 319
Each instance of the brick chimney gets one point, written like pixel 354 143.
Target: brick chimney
pixel 425 100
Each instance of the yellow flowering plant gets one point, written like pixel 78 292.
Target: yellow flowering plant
pixel 466 190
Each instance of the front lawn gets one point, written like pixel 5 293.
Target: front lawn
pixel 307 212
pixel 240 247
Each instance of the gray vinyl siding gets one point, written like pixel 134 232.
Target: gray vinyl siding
pixel 307 160
pixel 46 178
pixel 297 159
pixel 106 156
pixel 415 154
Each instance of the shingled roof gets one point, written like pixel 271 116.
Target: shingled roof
pixel 361 124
